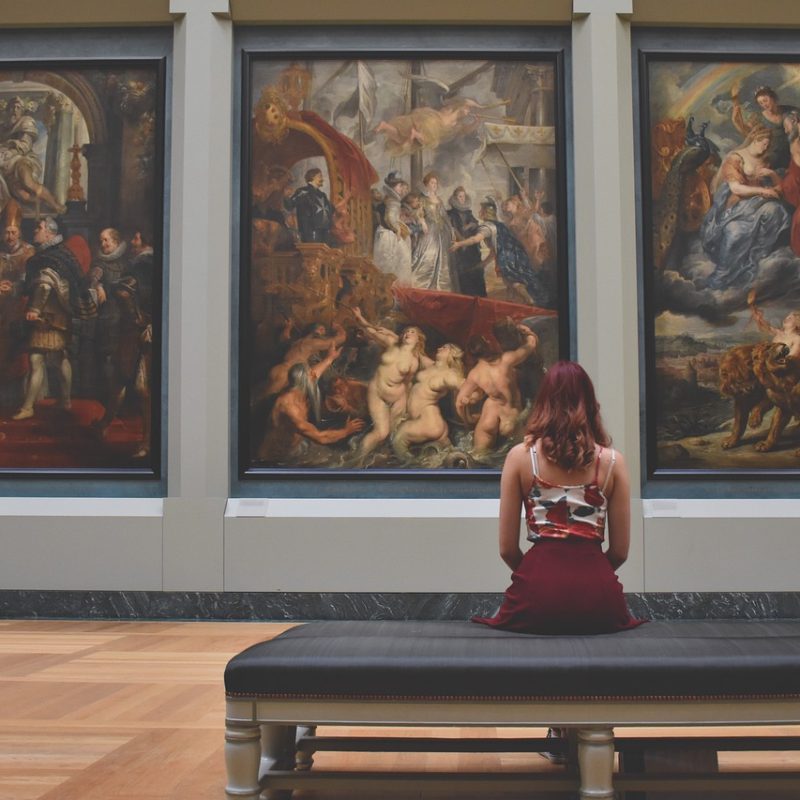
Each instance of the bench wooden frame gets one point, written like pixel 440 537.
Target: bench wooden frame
pixel 263 734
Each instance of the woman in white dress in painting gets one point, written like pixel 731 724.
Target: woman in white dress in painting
pixel 431 267
pixel 392 247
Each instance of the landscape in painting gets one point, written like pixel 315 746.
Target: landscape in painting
pixel 723 144
pixel 404 260
pixel 80 216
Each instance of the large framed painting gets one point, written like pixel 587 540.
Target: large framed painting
pixel 81 209
pixel 720 184
pixel 403 257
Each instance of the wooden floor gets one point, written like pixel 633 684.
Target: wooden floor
pixel 134 711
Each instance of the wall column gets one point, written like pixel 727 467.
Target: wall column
pixel 606 279
pixel 199 296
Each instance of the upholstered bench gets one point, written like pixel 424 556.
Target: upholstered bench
pixel 719 672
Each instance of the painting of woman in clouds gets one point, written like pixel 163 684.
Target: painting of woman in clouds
pixel 376 149
pixel 720 188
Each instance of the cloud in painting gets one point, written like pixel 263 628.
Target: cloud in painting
pixel 684 289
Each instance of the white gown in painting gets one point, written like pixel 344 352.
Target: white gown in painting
pixel 392 246
pixel 431 263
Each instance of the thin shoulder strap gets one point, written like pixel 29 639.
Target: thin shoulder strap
pixel 534 461
pixel 597 460
pixel 610 468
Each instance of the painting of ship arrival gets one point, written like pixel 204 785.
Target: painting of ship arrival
pixel 81 197
pixel 722 145
pixel 404 260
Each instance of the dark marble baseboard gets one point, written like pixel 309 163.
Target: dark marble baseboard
pixel 119 605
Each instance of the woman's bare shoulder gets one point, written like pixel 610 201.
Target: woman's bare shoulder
pixel 519 454
pixel 520 450
pixel 618 457
pixel 619 466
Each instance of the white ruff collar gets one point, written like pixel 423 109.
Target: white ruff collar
pixel 57 239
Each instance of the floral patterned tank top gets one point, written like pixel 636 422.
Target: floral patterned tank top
pixel 557 512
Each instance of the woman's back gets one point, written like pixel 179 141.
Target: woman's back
pixel 570 482
pixel 598 471
pixel 568 502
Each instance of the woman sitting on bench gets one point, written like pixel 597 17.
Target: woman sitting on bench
pixel 569 480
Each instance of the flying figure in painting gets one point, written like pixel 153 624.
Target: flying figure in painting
pixel 426 126
pixel 429 127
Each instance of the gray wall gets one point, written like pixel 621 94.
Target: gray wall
pixel 197 539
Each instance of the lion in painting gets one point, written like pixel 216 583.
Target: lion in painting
pixel 758 377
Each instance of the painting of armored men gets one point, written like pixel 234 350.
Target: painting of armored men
pixel 404 260
pixel 81 191
pixel 721 184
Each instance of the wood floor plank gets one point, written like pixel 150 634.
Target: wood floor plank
pixel 36 762
pixel 41 642
pixel 149 766
pixel 138 667
pixel 21 784
pixel 49 701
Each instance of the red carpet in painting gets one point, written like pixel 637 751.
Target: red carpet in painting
pixel 60 438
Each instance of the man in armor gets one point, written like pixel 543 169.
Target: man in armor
pixel 57 292
pixel 313 208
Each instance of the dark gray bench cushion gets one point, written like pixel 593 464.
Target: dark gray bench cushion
pixel 371 659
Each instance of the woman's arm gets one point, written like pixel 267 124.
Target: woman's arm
pixel 619 514
pixel 770 175
pixel 318 370
pixel 381 335
pixel 745 190
pixel 510 506
pixel 732 172
pixel 476 239
pixel 464 398
pixel 516 357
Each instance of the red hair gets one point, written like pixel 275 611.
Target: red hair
pixel 566 417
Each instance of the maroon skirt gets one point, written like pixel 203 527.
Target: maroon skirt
pixel 563 586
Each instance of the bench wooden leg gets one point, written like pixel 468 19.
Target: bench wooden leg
pixel 242 757
pixel 304 759
pixel 277 753
pixel 596 763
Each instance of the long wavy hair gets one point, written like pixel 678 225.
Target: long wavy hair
pixel 566 417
